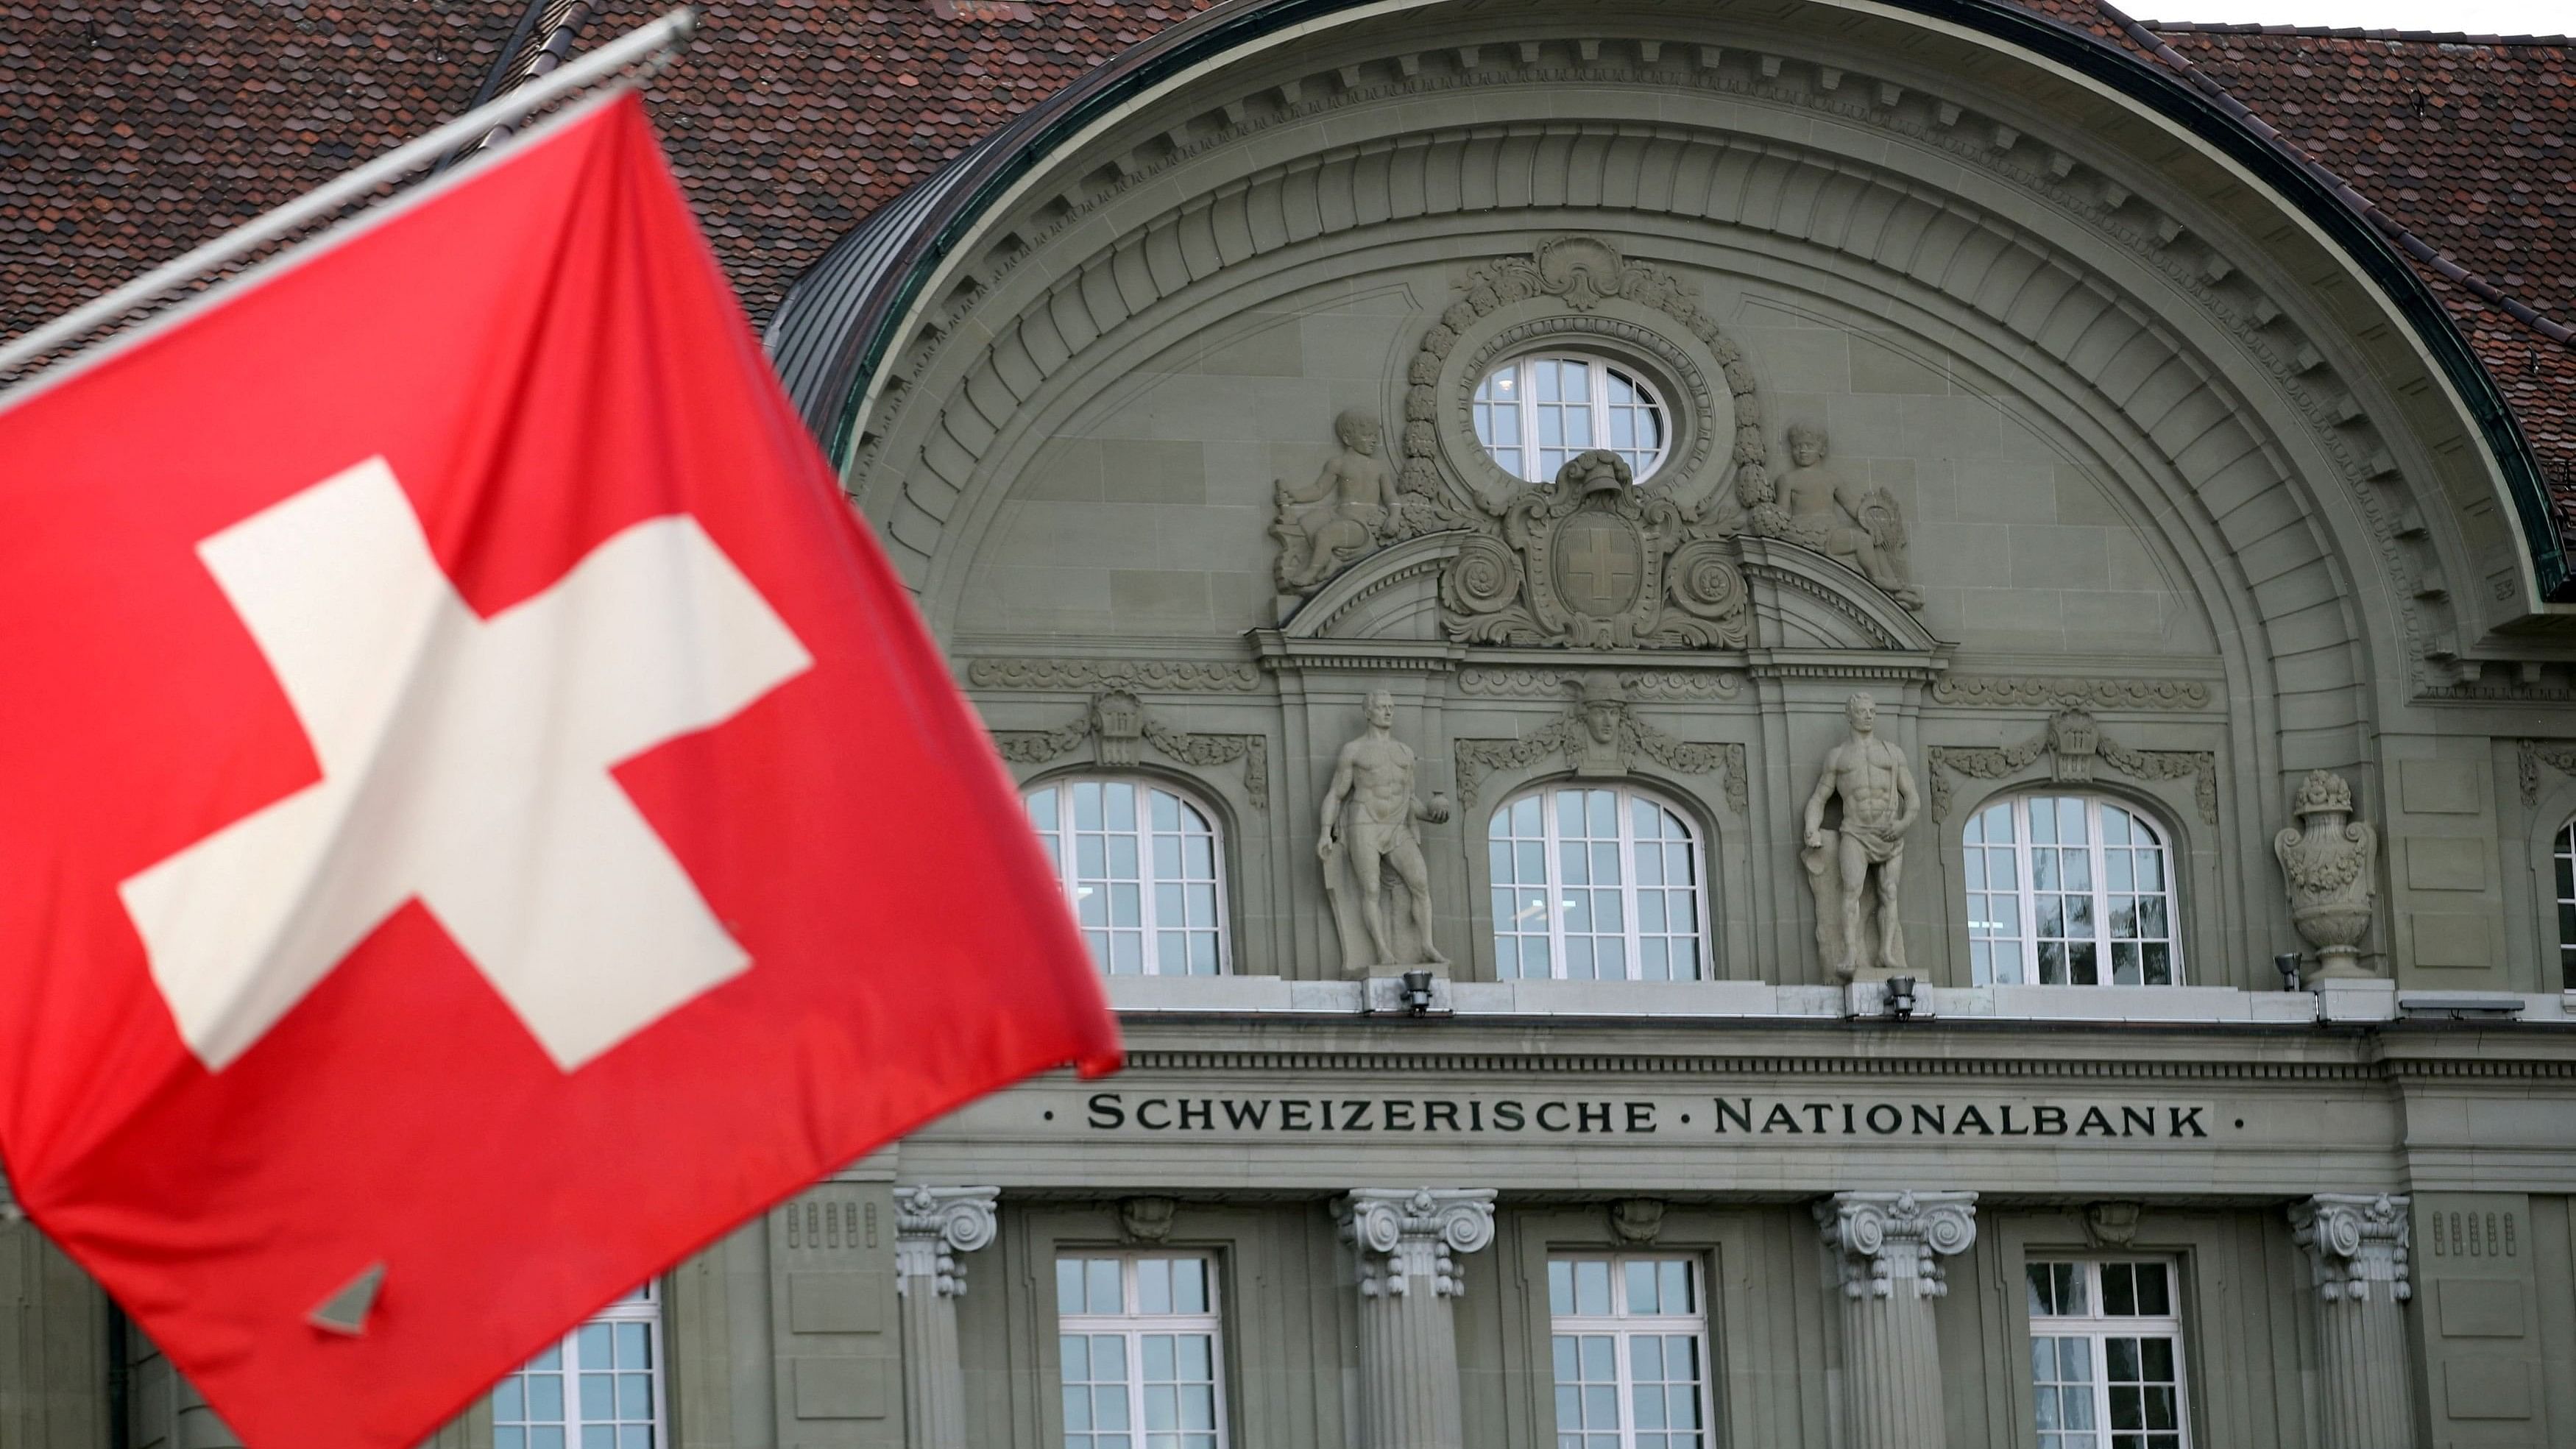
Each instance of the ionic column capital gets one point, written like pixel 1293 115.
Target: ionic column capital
pixel 933 1226
pixel 2355 1240
pixel 1883 1238
pixel 1403 1233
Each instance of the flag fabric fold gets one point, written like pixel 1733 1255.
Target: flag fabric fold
pixel 482 817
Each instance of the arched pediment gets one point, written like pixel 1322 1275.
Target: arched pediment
pixel 1803 600
pixel 1392 594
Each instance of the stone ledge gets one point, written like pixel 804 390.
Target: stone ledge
pixel 2341 1002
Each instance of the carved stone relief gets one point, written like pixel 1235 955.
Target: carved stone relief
pixel 2068 693
pixel 2328 860
pixel 1591 561
pixel 2074 742
pixel 1600 736
pixel 1637 1219
pixel 1647 686
pixel 1146 1219
pixel 1158 675
pixel 1348 511
pixel 1855 863
pixel 1370 844
pixel 1118 726
pixel 2532 754
pixel 1816 508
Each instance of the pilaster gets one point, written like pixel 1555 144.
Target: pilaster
pixel 1408 1242
pixel 1889 1246
pixel 934 1226
pixel 2357 1246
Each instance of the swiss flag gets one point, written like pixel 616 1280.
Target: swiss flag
pixel 480 817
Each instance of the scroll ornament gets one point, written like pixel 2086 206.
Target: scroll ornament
pixel 1401 1235
pixel 1118 726
pixel 2328 860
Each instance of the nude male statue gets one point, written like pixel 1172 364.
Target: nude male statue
pixel 1879 805
pixel 1370 810
pixel 1838 520
pixel 1360 490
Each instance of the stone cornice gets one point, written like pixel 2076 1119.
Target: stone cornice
pixel 1471 1065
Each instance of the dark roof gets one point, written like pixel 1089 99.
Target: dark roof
pixel 130 132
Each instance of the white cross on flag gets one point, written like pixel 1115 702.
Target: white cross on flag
pixel 483 819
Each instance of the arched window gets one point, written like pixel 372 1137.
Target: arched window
pixel 1139 864
pixel 2069 890
pixel 1534 413
pixel 2566 876
pixel 1596 882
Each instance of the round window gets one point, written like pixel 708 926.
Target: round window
pixel 1534 413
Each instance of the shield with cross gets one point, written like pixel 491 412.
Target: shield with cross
pixel 1600 563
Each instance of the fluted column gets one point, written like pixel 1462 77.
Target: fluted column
pixel 933 1226
pixel 2357 1246
pixel 1409 1241
pixel 1889 1246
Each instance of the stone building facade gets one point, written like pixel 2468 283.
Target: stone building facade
pixel 1692 666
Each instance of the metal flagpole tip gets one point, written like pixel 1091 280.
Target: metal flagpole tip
pixel 345 1312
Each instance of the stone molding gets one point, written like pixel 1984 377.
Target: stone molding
pixel 2225 293
pixel 2020 691
pixel 1405 1233
pixel 1879 1238
pixel 2355 1241
pixel 933 1227
pixel 2530 755
pixel 1129 674
pixel 1115 722
pixel 2073 741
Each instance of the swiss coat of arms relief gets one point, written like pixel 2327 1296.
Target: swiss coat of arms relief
pixel 1590 561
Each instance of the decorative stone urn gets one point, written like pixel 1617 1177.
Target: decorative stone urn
pixel 2330 860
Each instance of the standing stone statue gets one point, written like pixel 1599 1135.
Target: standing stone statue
pixel 1827 513
pixel 1858 933
pixel 1371 817
pixel 1342 515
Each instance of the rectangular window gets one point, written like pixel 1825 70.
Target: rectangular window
pixel 1141 1359
pixel 2106 1355
pixel 600 1388
pixel 1630 1336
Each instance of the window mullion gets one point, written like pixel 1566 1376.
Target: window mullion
pixel 2025 890
pixel 2099 864
pixel 1550 869
pixel 1528 405
pixel 1632 933
pixel 1147 911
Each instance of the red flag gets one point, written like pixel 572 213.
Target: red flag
pixel 481 817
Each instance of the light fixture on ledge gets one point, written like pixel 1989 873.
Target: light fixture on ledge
pixel 2287 963
pixel 1417 992
pixel 1900 997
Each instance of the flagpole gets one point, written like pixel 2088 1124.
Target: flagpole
pixel 649 43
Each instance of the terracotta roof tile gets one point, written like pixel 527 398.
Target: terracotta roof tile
pixel 2467 142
